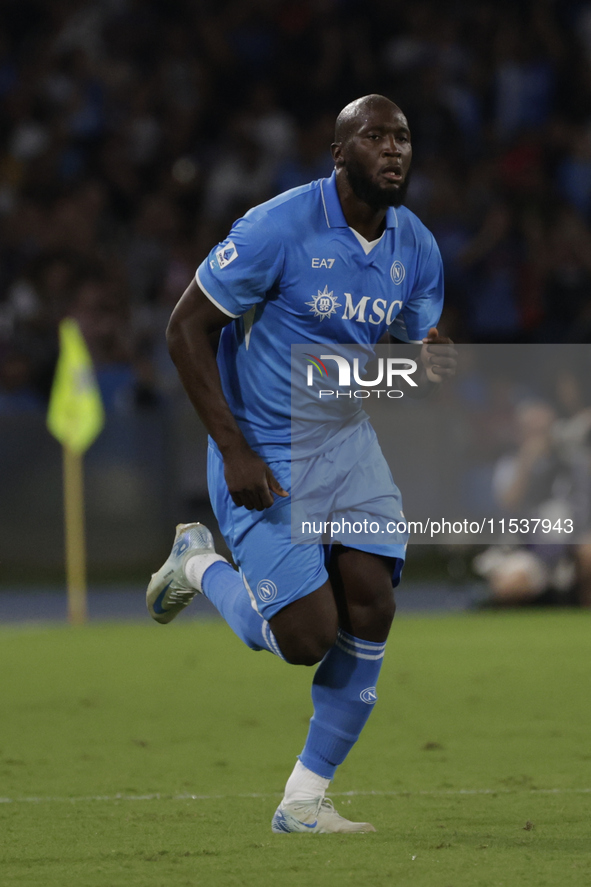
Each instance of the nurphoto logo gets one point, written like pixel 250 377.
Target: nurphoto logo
pixel 388 370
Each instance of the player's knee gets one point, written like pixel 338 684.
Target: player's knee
pixel 307 628
pixel 375 617
pixel 307 655
pixel 389 609
pixel 383 612
pixel 309 650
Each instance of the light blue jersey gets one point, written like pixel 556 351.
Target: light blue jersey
pixel 293 272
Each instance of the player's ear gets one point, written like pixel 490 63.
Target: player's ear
pixel 337 154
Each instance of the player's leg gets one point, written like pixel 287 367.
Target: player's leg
pixel 193 567
pixel 344 686
pixel 274 576
pixel 364 592
pixel 363 575
pixel 301 633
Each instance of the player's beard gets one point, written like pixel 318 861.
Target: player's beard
pixel 369 192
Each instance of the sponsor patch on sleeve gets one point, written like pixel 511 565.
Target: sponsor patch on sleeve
pixel 226 254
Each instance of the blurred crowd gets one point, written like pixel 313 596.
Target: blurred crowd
pixel 527 464
pixel 133 132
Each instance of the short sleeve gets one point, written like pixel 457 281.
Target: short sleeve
pixel 239 272
pixel 423 308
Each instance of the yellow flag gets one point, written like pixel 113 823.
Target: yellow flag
pixel 75 414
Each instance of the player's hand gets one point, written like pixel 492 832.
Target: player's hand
pixel 250 480
pixel 438 356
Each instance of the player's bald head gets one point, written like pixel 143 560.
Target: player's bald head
pixel 355 113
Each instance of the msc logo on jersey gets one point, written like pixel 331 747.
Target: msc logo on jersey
pixel 397 272
pixel 324 304
pixel 369 695
pixel 267 590
pixel 226 254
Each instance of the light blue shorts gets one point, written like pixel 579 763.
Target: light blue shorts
pixel 350 483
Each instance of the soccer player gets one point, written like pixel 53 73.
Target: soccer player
pixel 337 261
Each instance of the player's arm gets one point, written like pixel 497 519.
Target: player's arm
pixel 193 325
pixel 418 319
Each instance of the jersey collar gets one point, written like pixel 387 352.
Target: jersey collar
pixel 333 212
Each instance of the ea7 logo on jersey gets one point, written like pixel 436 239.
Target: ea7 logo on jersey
pixel 226 254
pixel 322 263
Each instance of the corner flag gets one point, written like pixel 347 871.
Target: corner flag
pixel 75 414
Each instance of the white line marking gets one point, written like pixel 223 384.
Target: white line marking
pixel 254 795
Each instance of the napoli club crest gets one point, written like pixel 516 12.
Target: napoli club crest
pixel 397 272
pixel 267 590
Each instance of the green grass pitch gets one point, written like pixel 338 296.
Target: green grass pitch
pixel 137 754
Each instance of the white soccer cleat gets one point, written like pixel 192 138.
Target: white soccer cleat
pixel 318 817
pixel 169 591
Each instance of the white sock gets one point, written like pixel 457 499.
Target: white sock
pixel 196 566
pixel 303 785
